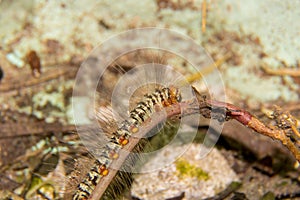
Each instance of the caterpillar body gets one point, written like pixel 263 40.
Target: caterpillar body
pixel 161 97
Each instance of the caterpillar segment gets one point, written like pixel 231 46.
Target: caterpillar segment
pixel 143 110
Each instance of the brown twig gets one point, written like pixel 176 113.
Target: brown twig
pixel 203 20
pixel 247 119
pixel 35 128
pixel 209 109
pixel 20 124
pixel 51 74
pixel 282 71
pixel 207 70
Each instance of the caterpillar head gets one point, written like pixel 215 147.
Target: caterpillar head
pixel 175 95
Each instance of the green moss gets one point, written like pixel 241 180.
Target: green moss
pixel 36 181
pixel 281 184
pixel 186 169
pixel 268 196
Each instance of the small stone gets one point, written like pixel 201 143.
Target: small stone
pixel 209 175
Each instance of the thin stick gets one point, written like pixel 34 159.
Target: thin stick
pixel 13 130
pixel 203 20
pixel 50 74
pixel 247 119
pixel 207 70
pixel 282 71
pixel 205 108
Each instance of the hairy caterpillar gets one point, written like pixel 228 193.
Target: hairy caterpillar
pixel 116 72
pixel 162 98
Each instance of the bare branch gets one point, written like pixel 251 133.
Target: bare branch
pixel 207 108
